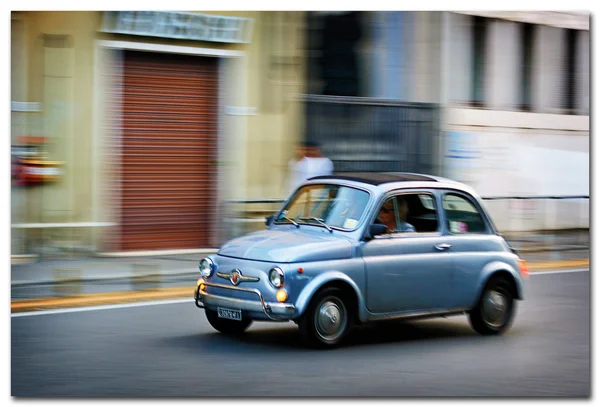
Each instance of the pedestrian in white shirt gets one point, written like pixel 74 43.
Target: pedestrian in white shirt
pixel 309 163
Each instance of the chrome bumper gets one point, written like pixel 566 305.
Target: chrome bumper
pixel 273 311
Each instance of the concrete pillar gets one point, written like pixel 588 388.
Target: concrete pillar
pixel 582 73
pixel 503 60
pixel 461 58
pixel 378 55
pixel 427 56
pixel 548 69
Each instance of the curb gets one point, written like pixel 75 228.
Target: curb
pixel 558 264
pixel 189 273
pixel 87 300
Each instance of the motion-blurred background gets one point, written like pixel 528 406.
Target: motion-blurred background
pixel 154 130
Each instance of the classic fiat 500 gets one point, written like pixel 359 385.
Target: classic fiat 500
pixel 350 249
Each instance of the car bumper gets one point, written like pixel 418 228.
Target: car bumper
pixel 272 311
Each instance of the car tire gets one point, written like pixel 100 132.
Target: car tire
pixel 494 312
pixel 227 326
pixel 327 320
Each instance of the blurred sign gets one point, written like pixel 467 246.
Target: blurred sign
pixel 181 25
pixel 462 155
pixel 25 107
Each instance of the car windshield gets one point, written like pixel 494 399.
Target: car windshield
pixel 326 205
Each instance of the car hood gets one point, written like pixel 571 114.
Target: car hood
pixel 289 246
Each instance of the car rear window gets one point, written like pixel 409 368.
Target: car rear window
pixel 462 216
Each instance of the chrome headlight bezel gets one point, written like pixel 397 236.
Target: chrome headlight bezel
pixel 206 267
pixel 276 277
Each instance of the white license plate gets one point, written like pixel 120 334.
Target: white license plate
pixel 227 313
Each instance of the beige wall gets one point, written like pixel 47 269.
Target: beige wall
pixel 57 54
pixel 260 121
pixel 276 76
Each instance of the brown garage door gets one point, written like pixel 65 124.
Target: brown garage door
pixel 169 141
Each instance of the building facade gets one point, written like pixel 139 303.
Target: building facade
pixel 131 130
pixel 516 117
pixel 512 90
pixel 145 122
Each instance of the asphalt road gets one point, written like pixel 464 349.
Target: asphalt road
pixel 170 350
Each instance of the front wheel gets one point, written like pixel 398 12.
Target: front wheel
pixel 227 326
pixel 494 311
pixel 327 319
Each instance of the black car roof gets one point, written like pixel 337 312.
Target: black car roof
pixel 376 178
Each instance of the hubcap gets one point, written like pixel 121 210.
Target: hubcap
pixel 495 308
pixel 330 320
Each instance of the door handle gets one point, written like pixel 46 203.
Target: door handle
pixel 443 246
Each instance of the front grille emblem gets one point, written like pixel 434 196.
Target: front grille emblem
pixel 236 277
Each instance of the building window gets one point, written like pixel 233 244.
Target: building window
pixel 479 39
pixel 333 52
pixel 569 67
pixel 526 65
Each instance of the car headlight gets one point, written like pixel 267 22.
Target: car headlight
pixel 276 277
pixel 206 267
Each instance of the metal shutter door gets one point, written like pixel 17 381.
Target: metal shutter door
pixel 169 141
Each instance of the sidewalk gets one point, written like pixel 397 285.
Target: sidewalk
pixel 99 269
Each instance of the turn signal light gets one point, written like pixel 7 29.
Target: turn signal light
pixel 200 281
pixel 281 295
pixel 523 269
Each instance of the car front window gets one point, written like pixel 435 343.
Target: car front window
pixel 335 206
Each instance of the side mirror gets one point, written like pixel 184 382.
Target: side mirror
pixel 269 220
pixel 377 229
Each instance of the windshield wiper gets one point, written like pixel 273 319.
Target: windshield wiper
pixel 321 221
pixel 291 220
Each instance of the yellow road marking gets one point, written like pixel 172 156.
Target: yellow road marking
pixel 86 300
pixel 558 264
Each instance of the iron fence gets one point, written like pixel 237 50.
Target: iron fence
pixel 366 134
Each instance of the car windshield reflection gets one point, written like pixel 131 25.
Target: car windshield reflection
pixel 326 205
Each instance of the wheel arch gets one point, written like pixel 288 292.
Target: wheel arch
pixel 336 279
pixel 503 270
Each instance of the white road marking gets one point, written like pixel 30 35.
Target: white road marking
pixel 180 301
pixel 99 307
pixel 533 273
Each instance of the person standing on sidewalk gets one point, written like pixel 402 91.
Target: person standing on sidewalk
pixel 310 162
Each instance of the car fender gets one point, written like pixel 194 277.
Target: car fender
pixel 321 280
pixel 492 268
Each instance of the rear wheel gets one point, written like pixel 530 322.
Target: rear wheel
pixel 227 326
pixel 494 311
pixel 327 319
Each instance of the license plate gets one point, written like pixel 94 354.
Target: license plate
pixel 227 313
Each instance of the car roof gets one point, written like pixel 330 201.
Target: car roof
pixel 384 181
pixel 377 178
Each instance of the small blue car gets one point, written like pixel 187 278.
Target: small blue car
pixel 348 249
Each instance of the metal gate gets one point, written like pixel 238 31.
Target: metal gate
pixel 373 135
pixel 169 141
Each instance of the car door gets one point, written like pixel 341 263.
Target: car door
pixel 409 271
pixel 472 241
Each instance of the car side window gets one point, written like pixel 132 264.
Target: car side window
pixel 462 216
pixel 409 213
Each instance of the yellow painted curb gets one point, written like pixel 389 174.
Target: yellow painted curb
pixel 558 264
pixel 86 300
